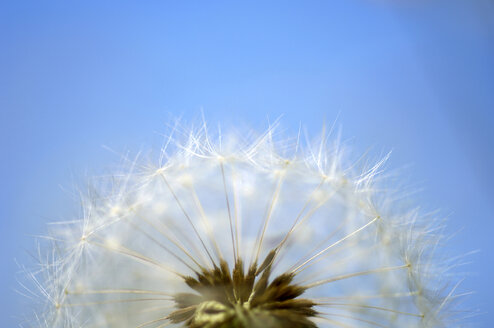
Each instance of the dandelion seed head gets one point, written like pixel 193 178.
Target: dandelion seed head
pixel 250 231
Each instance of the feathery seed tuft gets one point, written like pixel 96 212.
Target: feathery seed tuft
pixel 244 232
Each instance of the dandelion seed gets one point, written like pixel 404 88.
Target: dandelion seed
pixel 249 234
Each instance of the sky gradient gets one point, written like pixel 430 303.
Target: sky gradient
pixel 77 78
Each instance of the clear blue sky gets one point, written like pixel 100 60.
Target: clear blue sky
pixel 417 78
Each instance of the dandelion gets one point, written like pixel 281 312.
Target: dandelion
pixel 250 231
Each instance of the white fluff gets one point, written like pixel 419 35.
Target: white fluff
pixel 369 262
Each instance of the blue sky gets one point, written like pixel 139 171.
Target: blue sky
pixel 416 78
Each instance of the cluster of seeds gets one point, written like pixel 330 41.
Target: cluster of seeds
pixel 243 233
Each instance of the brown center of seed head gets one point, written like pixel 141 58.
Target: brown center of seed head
pixel 239 299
